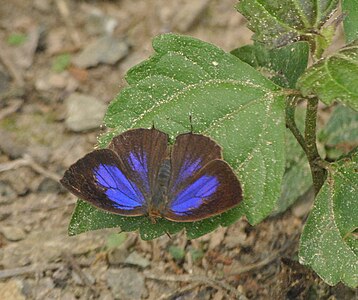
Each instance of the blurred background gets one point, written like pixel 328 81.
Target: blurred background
pixel 61 63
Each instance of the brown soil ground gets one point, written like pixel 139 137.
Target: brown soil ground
pixel 38 260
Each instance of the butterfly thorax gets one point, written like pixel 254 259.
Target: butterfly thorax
pixel 160 196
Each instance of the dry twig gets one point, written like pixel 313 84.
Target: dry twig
pixel 274 256
pixel 27 270
pixel 15 92
pixel 76 267
pixel 15 74
pixel 28 161
pixel 180 291
pixel 65 13
pixel 203 280
pixel 13 107
pixel 8 210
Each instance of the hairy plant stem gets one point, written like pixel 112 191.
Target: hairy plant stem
pixel 291 123
pixel 318 173
pixel 308 141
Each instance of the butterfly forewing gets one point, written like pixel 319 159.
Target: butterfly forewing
pixel 213 190
pixel 100 179
pixel 120 179
pixel 142 152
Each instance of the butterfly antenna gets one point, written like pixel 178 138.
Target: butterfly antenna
pixel 167 233
pixel 191 123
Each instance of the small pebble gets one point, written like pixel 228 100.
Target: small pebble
pixel 117 255
pixel 83 112
pixel 136 259
pixel 13 233
pixel 11 290
pixel 106 50
pixel 126 283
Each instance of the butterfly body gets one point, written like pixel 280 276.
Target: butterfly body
pixel 139 174
pixel 159 199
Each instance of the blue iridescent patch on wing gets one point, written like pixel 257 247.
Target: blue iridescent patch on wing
pixel 139 164
pixel 194 195
pixel 188 169
pixel 118 188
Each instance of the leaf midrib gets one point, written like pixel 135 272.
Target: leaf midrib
pixel 175 96
pixel 331 188
pixel 330 75
pixel 279 21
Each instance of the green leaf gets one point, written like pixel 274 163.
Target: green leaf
pixel 115 239
pixel 350 21
pixel 196 254
pixel 16 39
pixel 334 78
pixel 283 66
pixel 176 252
pixel 323 40
pixel 61 62
pixel 228 100
pixel 297 178
pixel 276 23
pixel 326 243
pixel 340 135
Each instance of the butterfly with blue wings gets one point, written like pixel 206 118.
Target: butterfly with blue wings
pixel 139 174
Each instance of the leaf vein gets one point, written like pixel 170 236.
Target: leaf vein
pixel 335 81
pixel 188 87
pixel 279 21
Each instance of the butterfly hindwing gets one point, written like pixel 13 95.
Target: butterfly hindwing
pixel 190 153
pixel 212 190
pixel 201 184
pixel 100 179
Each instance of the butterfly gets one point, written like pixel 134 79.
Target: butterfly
pixel 140 174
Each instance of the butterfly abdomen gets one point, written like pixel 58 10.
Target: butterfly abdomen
pixel 164 173
pixel 160 195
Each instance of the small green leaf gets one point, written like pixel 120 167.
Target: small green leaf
pixel 115 239
pixel 283 66
pixel 176 252
pixel 196 254
pixel 323 40
pixel 61 62
pixel 340 135
pixel 228 101
pixel 334 78
pixel 276 23
pixel 350 21
pixel 327 243
pixel 16 39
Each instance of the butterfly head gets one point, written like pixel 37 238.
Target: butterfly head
pixel 157 206
pixel 153 215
